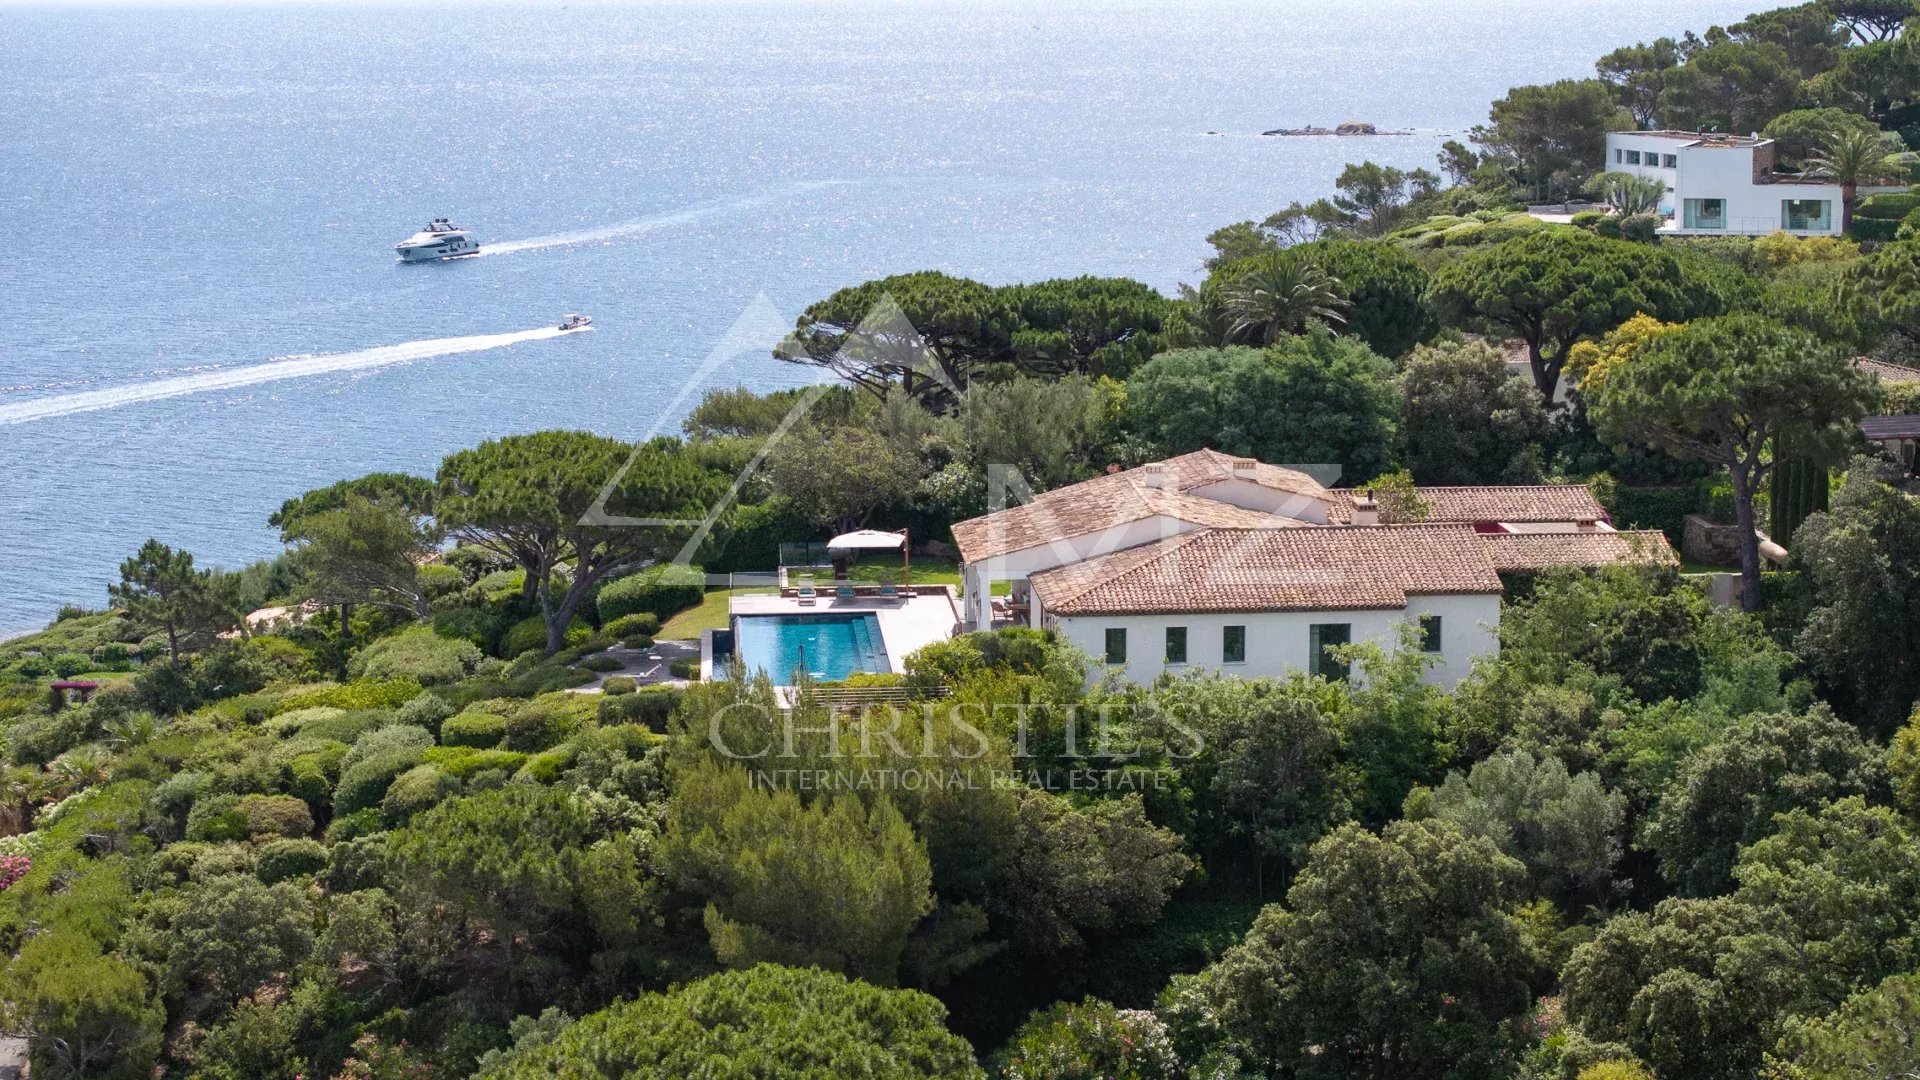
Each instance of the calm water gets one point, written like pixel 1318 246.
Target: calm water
pixel 829 647
pixel 189 193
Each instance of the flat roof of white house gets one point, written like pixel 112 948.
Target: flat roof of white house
pixel 1704 138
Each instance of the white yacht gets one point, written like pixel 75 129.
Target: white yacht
pixel 441 239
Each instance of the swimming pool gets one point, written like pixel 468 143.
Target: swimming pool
pixel 829 647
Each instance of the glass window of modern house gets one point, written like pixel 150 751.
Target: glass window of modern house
pixel 1706 214
pixel 1233 644
pixel 1811 214
pixel 1176 644
pixel 1669 161
pixel 1633 157
pixel 1116 645
pixel 1619 155
pixel 1321 638
pixel 1429 633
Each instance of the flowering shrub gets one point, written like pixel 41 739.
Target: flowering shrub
pixel 13 868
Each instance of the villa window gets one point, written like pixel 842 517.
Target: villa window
pixel 1810 215
pixel 1116 645
pixel 1176 644
pixel 1706 214
pixel 1429 633
pixel 1670 162
pixel 1321 639
pixel 1633 157
pixel 1619 155
pixel 1233 645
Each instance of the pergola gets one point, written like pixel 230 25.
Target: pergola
pixel 1900 434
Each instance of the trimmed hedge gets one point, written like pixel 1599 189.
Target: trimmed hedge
pixel 359 694
pixel 480 731
pixel 462 761
pixel 639 624
pixel 662 590
pixel 649 708
pixel 415 790
pixel 275 815
pixel 285 859
pixel 420 654
pixel 602 664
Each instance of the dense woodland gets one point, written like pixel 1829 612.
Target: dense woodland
pixel 1652 838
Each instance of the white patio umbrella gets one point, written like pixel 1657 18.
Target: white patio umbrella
pixel 875 540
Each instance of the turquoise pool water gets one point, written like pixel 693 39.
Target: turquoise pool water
pixel 828 647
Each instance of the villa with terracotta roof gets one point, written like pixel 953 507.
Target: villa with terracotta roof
pixel 1211 561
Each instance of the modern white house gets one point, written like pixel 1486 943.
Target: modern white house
pixel 1210 561
pixel 1725 184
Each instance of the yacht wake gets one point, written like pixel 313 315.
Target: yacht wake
pixel 293 367
pixel 639 226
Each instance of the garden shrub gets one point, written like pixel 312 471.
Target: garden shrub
pixel 649 708
pixel 359 694
pixel 462 761
pixel 67 665
pixel 1587 219
pixel 348 727
pixel 363 822
pixel 1640 228
pixel 661 590
pixel 601 664
pixel 426 711
pixel 216 819
pixel 415 790
pixel 1609 227
pixel 638 643
pixel 548 720
pixel 283 859
pixel 221 860
pixel 289 723
pixel 643 623
pixel 439 579
pixel 419 654
pixel 474 729
pixel 275 815
pixel 387 740
pixel 618 684
pixel 364 781
pixel 530 634
pixel 546 766
pixel 37 740
pixel 686 667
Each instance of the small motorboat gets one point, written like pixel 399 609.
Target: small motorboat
pixel 576 321
pixel 441 239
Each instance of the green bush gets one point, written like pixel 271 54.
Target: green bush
pixel 290 723
pixel 601 664
pixel 649 708
pixel 1887 206
pixel 1641 228
pixel 1663 508
pixel 530 634
pixel 1587 219
pixel 638 643
pixel 363 822
pixel 275 815
pixel 387 740
pixel 661 590
pixel 415 790
pixel 618 684
pixel 359 694
pixel 418 654
pixel 67 665
pixel 1609 227
pixel 216 819
pixel 1874 230
pixel 687 667
pixel 285 859
pixel 546 766
pixel 639 624
pixel 548 720
pixel 426 711
pixel 478 730
pixel 348 727
pixel 364 783
pixel 439 579
pixel 462 761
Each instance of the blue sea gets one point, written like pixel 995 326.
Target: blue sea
pixel 200 310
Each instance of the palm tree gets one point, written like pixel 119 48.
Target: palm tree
pixel 1855 156
pixel 1283 298
pixel 21 790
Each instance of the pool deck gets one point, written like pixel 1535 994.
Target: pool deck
pixel 906 623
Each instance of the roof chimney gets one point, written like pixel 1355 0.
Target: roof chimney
pixel 1244 466
pixel 1587 525
pixel 1154 475
pixel 1365 510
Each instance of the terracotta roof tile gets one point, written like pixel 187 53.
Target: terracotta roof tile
pixel 1308 569
pixel 1526 503
pixel 1892 373
pixel 1116 499
pixel 1539 551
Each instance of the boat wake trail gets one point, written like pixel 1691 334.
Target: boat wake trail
pixel 293 367
pixel 638 226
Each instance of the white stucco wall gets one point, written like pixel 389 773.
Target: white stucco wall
pixel 1277 641
pixel 1719 172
